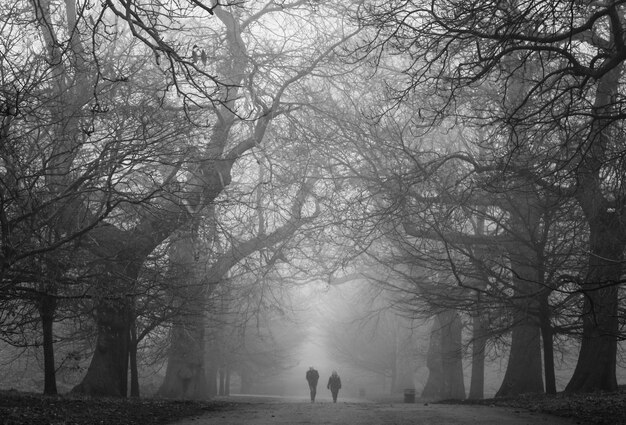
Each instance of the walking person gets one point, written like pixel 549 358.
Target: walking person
pixel 312 376
pixel 334 384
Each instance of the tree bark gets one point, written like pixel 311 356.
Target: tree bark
pixel 445 378
pixel 222 376
pixel 547 336
pixel 479 344
pixel 47 308
pixel 596 366
pixel 524 373
pixel 185 376
pixel 452 356
pixel 211 377
pixel 108 370
pixel 524 369
pixel 134 371
pixel 227 385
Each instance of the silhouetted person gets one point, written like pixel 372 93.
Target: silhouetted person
pixel 312 376
pixel 334 384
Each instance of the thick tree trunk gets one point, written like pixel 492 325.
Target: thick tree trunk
pixel 523 372
pixel 434 384
pixel 108 371
pixel 452 356
pixel 47 308
pixel 445 378
pixel 596 366
pixel 479 344
pixel 185 376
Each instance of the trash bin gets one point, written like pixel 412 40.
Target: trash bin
pixel 409 395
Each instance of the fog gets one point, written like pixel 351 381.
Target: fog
pixel 320 310
pixel 316 312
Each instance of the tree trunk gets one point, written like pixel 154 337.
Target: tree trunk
pixel 479 344
pixel 108 371
pixel 596 366
pixel 452 356
pixel 212 359
pixel 185 375
pixel 403 370
pixel 211 377
pixel 47 308
pixel 227 386
pixel 523 372
pixel 246 382
pixel 222 387
pixel 444 361
pixel 134 372
pixel 434 384
pixel 547 336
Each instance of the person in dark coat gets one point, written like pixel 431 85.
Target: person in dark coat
pixel 334 384
pixel 312 376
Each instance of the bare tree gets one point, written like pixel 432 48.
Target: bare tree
pixel 567 116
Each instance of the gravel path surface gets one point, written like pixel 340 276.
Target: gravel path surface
pixel 249 410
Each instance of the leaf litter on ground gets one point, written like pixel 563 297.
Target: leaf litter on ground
pixel 17 408
pixel 598 408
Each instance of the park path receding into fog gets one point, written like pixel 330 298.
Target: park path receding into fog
pixel 249 410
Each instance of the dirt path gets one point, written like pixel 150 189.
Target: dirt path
pixel 265 411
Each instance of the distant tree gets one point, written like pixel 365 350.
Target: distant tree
pixel 366 333
pixel 254 335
